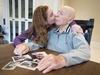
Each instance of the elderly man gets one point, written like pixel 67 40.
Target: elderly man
pixel 75 49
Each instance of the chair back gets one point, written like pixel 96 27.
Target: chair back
pixel 1 30
pixel 87 26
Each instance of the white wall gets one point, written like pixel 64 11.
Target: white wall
pixel 66 2
pixel 86 9
pixel 1 12
pixel 53 4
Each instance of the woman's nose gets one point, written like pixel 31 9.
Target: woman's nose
pixel 55 15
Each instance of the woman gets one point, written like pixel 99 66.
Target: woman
pixel 43 21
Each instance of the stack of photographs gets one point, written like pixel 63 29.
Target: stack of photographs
pixel 25 61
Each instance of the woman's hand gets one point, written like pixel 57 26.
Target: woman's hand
pixel 21 49
pixel 77 29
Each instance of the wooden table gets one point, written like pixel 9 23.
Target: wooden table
pixel 86 68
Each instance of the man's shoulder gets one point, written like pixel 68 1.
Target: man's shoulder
pixel 71 33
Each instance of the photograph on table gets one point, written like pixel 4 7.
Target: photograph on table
pixel 37 56
pixel 20 58
pixel 28 65
pixel 10 66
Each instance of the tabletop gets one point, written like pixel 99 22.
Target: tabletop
pixel 6 52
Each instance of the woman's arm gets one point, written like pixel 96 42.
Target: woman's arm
pixel 19 40
pixel 76 28
pixel 73 23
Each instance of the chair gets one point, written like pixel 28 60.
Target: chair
pixel 87 26
pixel 2 41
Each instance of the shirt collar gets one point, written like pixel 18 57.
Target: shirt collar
pixel 66 30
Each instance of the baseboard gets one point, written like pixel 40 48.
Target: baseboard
pixel 95 44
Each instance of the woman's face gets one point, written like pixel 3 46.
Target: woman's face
pixel 50 17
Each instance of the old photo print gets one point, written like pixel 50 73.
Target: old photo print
pixel 10 66
pixel 37 56
pixel 28 65
pixel 20 58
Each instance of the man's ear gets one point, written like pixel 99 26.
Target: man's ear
pixel 70 20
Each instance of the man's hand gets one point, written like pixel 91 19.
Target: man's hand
pixel 77 29
pixel 51 62
pixel 21 49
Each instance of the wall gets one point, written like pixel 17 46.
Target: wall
pixel 0 12
pixel 86 9
pixel 53 4
pixel 66 2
